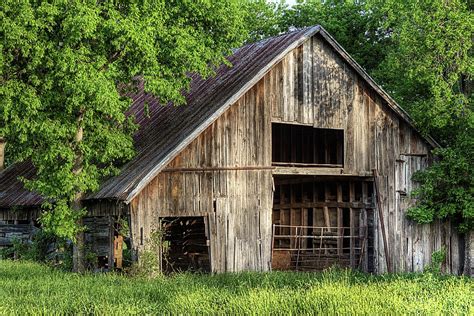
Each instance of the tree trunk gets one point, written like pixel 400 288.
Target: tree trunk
pixel 469 254
pixel 2 152
pixel 79 258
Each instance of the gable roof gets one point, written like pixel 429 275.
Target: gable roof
pixel 166 130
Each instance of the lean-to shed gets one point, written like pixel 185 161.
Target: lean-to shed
pixel 269 165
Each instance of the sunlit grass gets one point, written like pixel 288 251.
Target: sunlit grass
pixel 29 288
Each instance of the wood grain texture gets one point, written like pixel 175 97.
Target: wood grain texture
pixel 374 138
pixel 234 192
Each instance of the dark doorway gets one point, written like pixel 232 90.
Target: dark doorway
pixel 319 222
pixel 185 244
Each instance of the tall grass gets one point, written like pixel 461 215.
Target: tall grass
pixel 29 288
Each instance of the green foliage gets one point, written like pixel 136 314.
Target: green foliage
pixel 59 219
pixel 28 288
pixel 60 66
pixel 353 25
pixel 438 258
pixel 431 55
pixel 18 249
pixel 428 71
pixel 447 188
pixel 264 18
pixel 151 257
pixel 43 247
pixel 91 259
pixel 124 227
pixel 47 248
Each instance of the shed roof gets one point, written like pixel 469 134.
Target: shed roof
pixel 166 130
pixel 12 191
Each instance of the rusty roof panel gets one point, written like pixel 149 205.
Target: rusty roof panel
pixel 12 192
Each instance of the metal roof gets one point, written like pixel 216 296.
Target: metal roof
pixel 166 130
pixel 12 192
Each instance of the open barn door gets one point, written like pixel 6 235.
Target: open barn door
pixel 319 223
pixel 185 244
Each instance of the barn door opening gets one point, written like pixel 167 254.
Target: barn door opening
pixel 320 222
pixel 185 244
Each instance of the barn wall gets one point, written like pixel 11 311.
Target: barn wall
pixel 314 86
pixel 225 176
pixel 100 225
pixel 16 224
pixel 22 224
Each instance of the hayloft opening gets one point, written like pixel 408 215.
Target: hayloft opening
pixel 185 245
pixel 319 222
pixel 298 145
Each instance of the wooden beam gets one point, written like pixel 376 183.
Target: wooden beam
pixel 382 223
pixel 212 169
pixel 311 165
pixel 340 224
pixel 319 171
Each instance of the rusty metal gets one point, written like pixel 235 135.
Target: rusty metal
pixel 210 169
pixel 12 191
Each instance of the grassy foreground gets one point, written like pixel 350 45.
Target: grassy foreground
pixel 29 288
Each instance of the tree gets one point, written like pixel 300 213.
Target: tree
pixel 428 70
pixel 61 63
pixel 264 18
pixel 352 23
pixel 429 61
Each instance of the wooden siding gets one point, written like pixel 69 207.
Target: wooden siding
pixel 22 223
pixel 225 176
pixel 314 86
pixel 225 173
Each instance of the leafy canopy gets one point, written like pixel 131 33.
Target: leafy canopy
pixel 61 62
pixel 429 71
pixel 264 18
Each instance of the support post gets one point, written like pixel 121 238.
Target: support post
pixel 382 223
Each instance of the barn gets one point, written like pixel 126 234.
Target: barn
pixel 292 159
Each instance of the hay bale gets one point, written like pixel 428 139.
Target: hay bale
pixel 281 260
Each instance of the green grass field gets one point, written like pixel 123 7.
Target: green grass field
pixel 29 288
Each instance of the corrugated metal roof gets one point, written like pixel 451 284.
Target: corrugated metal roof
pixel 165 130
pixel 12 191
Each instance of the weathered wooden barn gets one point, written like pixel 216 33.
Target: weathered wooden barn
pixel 270 164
